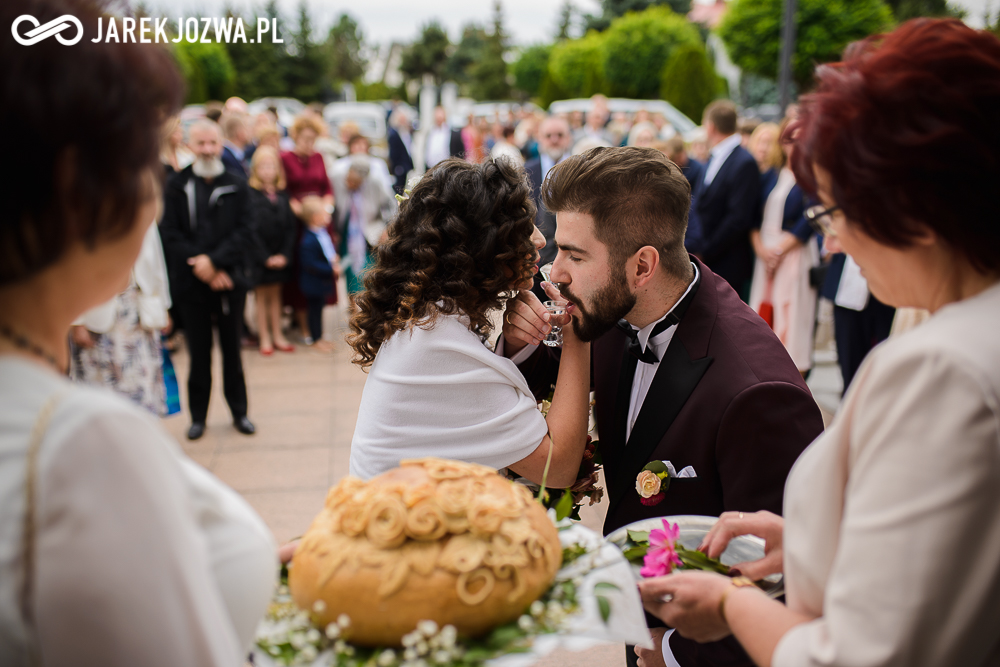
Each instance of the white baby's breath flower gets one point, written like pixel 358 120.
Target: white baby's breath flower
pixel 410 655
pixel 537 608
pixel 332 631
pixel 442 657
pixel 274 650
pixel 313 635
pixel 319 606
pixel 309 653
pixel 411 639
pixel 427 628
pixel 386 658
pixel 525 623
pixel 297 640
pixel 344 621
pixel 448 636
pixel 422 647
pixel 340 646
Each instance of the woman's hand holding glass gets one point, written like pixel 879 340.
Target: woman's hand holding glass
pixel 527 321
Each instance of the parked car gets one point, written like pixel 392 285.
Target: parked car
pixel 288 108
pixel 681 123
pixel 369 116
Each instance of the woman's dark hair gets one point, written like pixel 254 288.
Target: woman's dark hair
pixel 83 128
pixel 463 238
pixel 908 127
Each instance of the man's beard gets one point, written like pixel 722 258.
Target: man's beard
pixel 555 154
pixel 611 302
pixel 203 168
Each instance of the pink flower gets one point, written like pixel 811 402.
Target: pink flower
pixel 661 558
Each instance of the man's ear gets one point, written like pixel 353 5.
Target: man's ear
pixel 647 260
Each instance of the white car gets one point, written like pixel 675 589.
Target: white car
pixel 680 122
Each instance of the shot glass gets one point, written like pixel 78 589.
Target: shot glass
pixel 555 336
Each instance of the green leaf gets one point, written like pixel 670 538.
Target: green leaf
pixel 639 536
pixel 565 506
pixel 696 560
pixel 606 585
pixel 655 466
pixel 635 553
pixel 605 606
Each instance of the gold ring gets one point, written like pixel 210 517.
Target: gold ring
pixel 741 515
pixel 506 318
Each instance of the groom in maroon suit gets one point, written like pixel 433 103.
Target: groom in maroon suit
pixel 683 370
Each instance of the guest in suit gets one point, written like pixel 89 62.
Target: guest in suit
pixel 363 210
pixel 890 545
pixel 206 238
pixel 237 141
pixel 693 171
pixel 727 199
pixel 554 143
pixel 443 141
pixel 683 371
pixel 400 138
pixel 318 267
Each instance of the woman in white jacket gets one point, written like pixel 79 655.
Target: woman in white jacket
pixel 117 344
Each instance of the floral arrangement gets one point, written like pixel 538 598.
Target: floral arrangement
pixel 292 637
pixel 653 481
pixel 661 551
pixel 567 502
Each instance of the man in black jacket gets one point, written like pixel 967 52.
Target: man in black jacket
pixel 206 240
pixel 726 200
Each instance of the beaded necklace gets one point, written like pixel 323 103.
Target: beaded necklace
pixel 21 342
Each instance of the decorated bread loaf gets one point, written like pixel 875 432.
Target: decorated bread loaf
pixel 433 539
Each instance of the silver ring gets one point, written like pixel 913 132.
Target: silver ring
pixel 669 597
pixel 741 515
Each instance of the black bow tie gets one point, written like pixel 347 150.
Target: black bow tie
pixel 648 356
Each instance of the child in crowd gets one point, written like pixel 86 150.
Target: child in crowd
pixel 318 267
pixel 274 226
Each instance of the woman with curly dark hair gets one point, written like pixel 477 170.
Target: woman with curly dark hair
pixel 462 244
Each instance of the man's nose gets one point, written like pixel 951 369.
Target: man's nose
pixel 558 273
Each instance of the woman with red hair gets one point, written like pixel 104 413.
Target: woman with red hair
pixel 890 543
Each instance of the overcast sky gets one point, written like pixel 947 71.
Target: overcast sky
pixel 527 21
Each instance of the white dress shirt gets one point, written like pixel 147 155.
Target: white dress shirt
pixel 719 154
pixel 438 145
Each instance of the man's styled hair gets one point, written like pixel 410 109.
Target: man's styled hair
pixel 722 114
pixel 636 196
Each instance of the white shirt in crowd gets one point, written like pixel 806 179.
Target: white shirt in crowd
pixel 719 154
pixel 142 557
pixel 438 144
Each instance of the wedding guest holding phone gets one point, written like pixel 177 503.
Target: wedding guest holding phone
pixel 890 543
pixel 116 549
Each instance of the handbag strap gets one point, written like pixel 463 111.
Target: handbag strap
pixel 28 528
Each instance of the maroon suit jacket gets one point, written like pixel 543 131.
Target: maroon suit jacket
pixel 726 400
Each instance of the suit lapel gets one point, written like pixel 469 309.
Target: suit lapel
pixel 676 377
pixel 613 446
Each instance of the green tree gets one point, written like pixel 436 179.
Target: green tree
pixel 566 15
pixel 637 48
pixel 489 74
pixel 259 66
pixel 613 9
pixel 576 67
pixel 467 53
pixel 343 51
pixel 207 70
pixel 909 9
pixel 306 68
pixel 751 31
pixel 427 55
pixel 531 69
pixel 690 81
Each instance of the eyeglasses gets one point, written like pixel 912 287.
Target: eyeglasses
pixel 555 135
pixel 821 219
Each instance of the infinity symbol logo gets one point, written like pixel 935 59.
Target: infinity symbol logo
pixel 40 32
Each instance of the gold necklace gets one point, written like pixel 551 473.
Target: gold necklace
pixel 21 341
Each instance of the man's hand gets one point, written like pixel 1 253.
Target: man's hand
pixel 221 282
pixel 526 322
pixel 276 262
pixel 82 337
pixel 202 267
pixel 652 657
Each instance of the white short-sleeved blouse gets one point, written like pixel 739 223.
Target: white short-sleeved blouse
pixel 142 556
pixel 439 391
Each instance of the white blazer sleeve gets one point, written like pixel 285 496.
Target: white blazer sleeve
pixel 150 273
pixel 915 578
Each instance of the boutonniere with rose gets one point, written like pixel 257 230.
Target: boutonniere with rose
pixel 654 480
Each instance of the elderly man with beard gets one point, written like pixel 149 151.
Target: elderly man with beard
pixel 554 143
pixel 207 243
pixel 683 371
